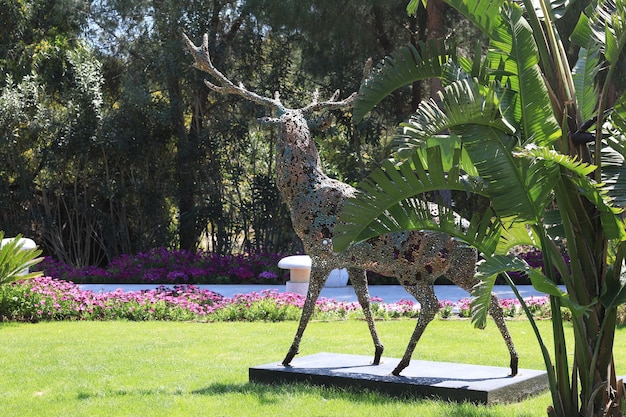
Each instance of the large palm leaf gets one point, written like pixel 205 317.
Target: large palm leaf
pixel 614 155
pixel 407 65
pixel 389 199
pixel 604 26
pixel 515 49
pixel 460 103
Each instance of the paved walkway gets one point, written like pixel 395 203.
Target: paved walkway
pixel 388 293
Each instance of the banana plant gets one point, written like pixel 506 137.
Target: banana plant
pixel 542 139
pixel 15 260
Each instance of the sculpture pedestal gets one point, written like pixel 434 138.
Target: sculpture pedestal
pixel 449 381
pixel 299 267
pixel 297 287
pixel 337 278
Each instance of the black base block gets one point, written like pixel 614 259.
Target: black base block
pixel 449 381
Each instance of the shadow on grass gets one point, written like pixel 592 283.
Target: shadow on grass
pixel 275 393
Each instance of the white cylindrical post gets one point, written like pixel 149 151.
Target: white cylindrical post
pixel 337 278
pixel 299 267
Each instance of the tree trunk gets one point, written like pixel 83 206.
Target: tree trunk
pixel 434 10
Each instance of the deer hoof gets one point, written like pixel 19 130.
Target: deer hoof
pixel 399 368
pixel 514 368
pixel 289 357
pixel 377 354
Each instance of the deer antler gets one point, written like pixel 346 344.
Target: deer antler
pixel 332 103
pixel 203 63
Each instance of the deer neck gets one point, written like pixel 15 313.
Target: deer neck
pixel 298 165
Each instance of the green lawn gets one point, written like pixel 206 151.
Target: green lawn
pixel 201 369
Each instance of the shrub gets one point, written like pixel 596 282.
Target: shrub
pixel 162 266
pixel 46 298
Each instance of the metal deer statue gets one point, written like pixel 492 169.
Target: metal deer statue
pixel 315 201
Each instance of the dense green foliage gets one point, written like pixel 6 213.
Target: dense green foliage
pixel 111 144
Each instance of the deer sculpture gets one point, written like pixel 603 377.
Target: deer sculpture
pixel 315 201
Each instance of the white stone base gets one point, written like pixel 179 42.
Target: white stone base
pixel 337 278
pixel 297 287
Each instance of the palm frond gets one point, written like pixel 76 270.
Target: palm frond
pixel 516 49
pixel 584 74
pixel 605 26
pixel 388 202
pixel 578 173
pixel 488 270
pixel 484 14
pixel 491 267
pixel 514 234
pixel 460 103
pixel 548 154
pixel 517 187
pixel 407 65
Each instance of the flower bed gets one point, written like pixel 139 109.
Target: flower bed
pixel 163 266
pixel 46 298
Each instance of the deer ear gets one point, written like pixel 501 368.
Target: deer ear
pixel 321 122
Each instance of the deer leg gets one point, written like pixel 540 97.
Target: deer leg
pixel 359 282
pixel 429 306
pixel 461 272
pixel 316 283
pixel 498 316
pixel 495 311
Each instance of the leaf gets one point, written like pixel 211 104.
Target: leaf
pixel 520 57
pixel 14 260
pixel 482 301
pixel 518 187
pixel 407 65
pixel 615 34
pixel 612 225
pixel 584 75
pixel 387 202
pixel 514 234
pixel 484 14
pixel 614 154
pixel 491 267
pixel 458 104
pixel 603 27
pixel 488 270
pixel 411 8
pixel 548 154
pixel 542 284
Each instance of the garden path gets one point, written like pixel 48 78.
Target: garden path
pixel 388 293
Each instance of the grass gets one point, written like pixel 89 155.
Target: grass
pixel 120 368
